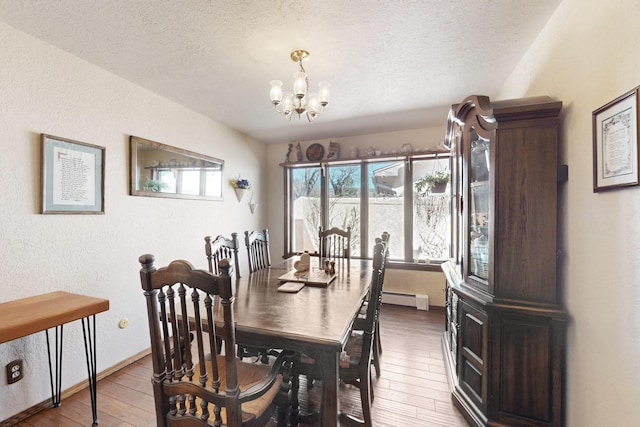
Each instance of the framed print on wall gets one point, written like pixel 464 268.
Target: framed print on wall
pixel 72 177
pixel 615 143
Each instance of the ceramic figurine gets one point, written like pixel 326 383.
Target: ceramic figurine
pixel 334 150
pixel 299 152
pixel 289 153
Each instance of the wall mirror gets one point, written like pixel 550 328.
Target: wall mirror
pixel 159 170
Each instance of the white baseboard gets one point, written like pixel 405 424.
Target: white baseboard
pixel 419 301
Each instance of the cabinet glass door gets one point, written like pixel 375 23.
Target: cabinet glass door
pixel 457 191
pixel 479 206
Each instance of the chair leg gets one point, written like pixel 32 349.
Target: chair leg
pixel 286 387
pixel 376 360
pixel 295 389
pixel 366 398
pixel 264 356
pixel 364 384
pixel 371 386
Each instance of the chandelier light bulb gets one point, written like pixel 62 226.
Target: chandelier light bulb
pixel 276 91
pixel 300 85
pixel 313 103
pixel 323 93
pixel 298 101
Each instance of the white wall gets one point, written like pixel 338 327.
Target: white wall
pixel 587 56
pixel 45 90
pixel 413 282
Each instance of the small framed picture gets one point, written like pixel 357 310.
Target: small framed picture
pixel 615 143
pixel 72 177
pixel 334 151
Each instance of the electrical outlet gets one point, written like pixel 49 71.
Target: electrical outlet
pixel 14 371
pixel 124 322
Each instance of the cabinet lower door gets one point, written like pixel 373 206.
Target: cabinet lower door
pixel 527 369
pixel 472 355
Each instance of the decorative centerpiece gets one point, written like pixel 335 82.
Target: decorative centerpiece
pixel 303 264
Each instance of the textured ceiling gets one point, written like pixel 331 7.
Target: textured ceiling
pixel 391 64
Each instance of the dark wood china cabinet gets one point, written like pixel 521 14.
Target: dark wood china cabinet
pixel 505 325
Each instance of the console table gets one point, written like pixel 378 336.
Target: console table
pixel 27 316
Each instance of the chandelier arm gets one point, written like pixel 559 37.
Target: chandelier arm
pixel 306 78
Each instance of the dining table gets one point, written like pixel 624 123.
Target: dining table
pixel 315 321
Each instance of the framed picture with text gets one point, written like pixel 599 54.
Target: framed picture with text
pixel 72 177
pixel 615 143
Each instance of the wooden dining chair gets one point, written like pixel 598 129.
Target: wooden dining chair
pixel 195 386
pixel 258 249
pixel 259 257
pixel 355 368
pixel 361 319
pixel 222 248
pixel 334 243
pixel 377 343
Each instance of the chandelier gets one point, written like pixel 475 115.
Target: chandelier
pixel 300 101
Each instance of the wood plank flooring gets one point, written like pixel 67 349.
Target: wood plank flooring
pixel 412 389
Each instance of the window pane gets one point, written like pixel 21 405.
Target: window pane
pixel 190 182
pixel 305 207
pixel 213 183
pixel 417 219
pixel 431 219
pixel 344 201
pixel 386 205
pixel 168 180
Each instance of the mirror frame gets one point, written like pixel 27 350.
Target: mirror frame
pixel 134 170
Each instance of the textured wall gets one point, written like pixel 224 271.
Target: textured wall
pixel 587 59
pixel 45 90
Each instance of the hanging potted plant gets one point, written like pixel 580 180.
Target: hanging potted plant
pixel 154 185
pixel 433 183
pixel 241 186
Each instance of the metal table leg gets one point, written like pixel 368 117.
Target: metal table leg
pixel 56 389
pixel 55 377
pixel 89 333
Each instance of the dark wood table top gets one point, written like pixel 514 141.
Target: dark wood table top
pixel 314 317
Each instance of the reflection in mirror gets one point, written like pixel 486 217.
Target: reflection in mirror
pixel 159 170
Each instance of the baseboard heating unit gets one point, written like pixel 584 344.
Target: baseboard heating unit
pixel 421 302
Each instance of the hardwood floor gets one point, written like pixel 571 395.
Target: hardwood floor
pixel 412 389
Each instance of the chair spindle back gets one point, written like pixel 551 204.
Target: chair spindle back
pixel 334 243
pixel 258 252
pixel 222 248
